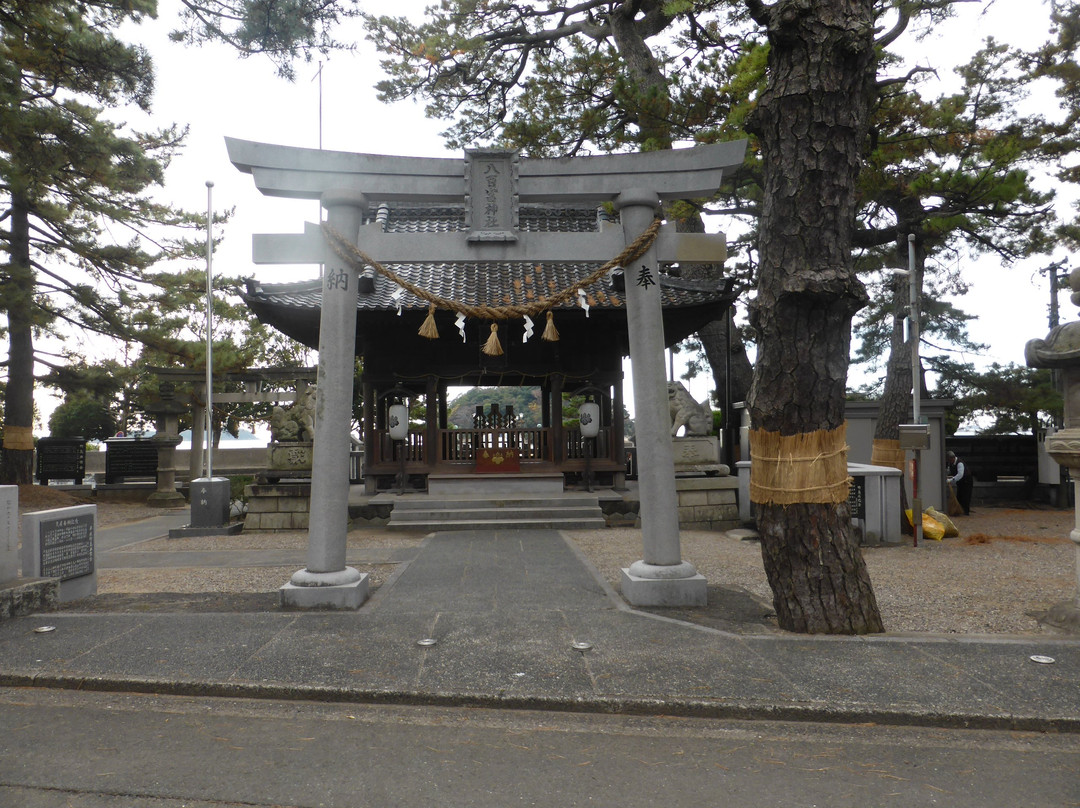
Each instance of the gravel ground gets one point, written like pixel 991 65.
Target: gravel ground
pixel 1008 566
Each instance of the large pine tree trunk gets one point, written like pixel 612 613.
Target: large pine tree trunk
pixel 811 121
pixel 17 455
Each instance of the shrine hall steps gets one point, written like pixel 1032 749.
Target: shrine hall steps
pixel 505 501
pixel 496 511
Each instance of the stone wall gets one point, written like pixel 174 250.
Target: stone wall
pixel 28 596
pixel 277 508
pixel 707 503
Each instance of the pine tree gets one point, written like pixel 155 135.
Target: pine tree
pixel 71 183
pixel 169 320
pixel 956 173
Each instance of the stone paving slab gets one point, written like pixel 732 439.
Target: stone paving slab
pixel 505 609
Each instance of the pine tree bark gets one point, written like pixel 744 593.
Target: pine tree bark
pixel 17 454
pixel 811 120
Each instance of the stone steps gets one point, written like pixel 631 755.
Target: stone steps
pixel 568 512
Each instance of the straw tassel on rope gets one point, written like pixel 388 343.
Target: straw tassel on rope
pixel 492 347
pixel 429 330
pixel 551 334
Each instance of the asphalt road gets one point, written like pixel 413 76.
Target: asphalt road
pixel 94 750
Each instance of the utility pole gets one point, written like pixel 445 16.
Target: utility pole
pixel 1057 278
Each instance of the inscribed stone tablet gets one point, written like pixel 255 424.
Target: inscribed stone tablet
pixel 9 532
pixel 60 544
pixel 491 210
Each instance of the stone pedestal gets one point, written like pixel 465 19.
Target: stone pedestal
pixel 708 503
pixel 289 460
pixel 348 595
pixel 211 500
pixel 698 454
pixel 689 589
pixel 277 508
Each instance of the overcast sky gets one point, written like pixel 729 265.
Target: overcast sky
pixel 219 95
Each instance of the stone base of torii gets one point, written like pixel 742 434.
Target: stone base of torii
pixel 637 184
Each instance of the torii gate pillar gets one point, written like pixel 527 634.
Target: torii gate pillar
pixel 326 582
pixel 661 578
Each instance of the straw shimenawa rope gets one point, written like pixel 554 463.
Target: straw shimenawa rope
pixel 353 255
pixel 791 469
pixel 887 452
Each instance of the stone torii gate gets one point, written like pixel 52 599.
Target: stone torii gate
pixel 492 184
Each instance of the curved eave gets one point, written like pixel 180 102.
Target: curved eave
pixel 293 309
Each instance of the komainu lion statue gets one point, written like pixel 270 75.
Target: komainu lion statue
pixel 296 422
pixel 696 417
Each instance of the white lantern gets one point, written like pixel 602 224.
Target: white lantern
pixel 589 416
pixel 399 421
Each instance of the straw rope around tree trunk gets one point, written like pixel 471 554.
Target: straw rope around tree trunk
pixel 810 467
pixel 355 257
pixel 887 452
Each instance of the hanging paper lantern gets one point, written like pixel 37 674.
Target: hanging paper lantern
pixel 399 422
pixel 589 416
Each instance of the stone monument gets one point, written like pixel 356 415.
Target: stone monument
pixel 9 532
pixel 1061 351
pixel 60 543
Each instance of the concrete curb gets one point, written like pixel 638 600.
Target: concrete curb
pixel 639 706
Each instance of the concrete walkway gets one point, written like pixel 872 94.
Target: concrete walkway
pixel 520 619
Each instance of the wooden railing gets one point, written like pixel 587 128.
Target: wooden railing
pixel 461 445
pixel 389 451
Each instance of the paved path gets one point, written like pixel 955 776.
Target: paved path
pixel 506 609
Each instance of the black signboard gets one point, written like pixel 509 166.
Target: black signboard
pixel 130 457
pixel 67 546
pixel 857 498
pixel 61 459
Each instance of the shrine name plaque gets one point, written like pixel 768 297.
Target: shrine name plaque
pixel 491 206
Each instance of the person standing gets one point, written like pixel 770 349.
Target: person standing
pixel 960 476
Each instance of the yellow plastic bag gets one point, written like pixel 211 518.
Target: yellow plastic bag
pixel 951 531
pixel 931 527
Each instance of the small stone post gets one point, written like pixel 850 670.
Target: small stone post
pixel 326 582
pixel 1061 350
pixel 661 578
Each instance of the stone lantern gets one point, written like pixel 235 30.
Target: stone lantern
pixel 167 439
pixel 1061 351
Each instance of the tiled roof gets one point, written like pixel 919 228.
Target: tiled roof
pixel 436 218
pixel 491 284
pixel 486 283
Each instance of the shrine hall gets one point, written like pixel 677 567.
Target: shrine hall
pixel 575 349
